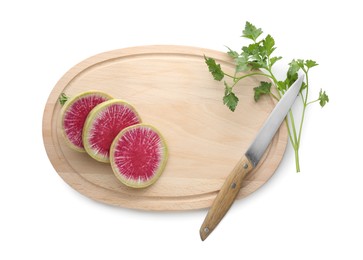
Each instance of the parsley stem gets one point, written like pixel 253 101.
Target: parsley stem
pixel 248 75
pixel 289 132
pixel 237 79
pixel 305 104
pixel 274 96
pixel 294 144
pixel 226 74
pixel 297 160
pixel 292 120
pixel 301 124
pixel 312 102
pixel 272 76
pixel 274 79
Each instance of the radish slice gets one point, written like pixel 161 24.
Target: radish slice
pixel 74 113
pixel 138 155
pixel 103 124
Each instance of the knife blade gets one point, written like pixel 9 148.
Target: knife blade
pixel 249 160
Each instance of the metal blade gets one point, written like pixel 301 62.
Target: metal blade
pixel 273 122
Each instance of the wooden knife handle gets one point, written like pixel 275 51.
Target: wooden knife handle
pixel 225 197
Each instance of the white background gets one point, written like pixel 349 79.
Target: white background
pixel 316 214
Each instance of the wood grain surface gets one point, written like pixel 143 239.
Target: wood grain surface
pixel 171 88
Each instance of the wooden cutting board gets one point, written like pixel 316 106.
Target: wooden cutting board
pixel 171 88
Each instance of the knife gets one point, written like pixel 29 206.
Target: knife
pixel 249 160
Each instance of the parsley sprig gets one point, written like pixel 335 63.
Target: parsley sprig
pixel 258 58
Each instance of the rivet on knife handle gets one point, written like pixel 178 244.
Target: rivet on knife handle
pixel 225 197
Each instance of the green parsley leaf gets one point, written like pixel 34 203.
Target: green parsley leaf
pixel 293 69
pixel 252 50
pixel 242 63
pixel 258 53
pixel 214 68
pixel 62 98
pixel 268 44
pixel 310 63
pixel 281 85
pixel 300 63
pixel 251 32
pixel 230 99
pixel 303 86
pixel 292 75
pixel 231 53
pixel 257 64
pixel 323 98
pixel 262 89
pixel 274 59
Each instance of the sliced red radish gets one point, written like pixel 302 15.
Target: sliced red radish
pixel 74 113
pixel 138 155
pixel 103 124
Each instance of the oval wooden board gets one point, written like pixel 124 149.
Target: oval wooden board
pixel 171 88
